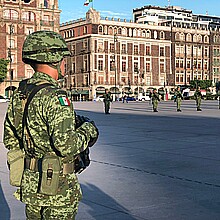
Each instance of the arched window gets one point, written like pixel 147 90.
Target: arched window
pixel 73 33
pixel 28 16
pixel 143 33
pixel 195 38
pixel 182 37
pixel 206 39
pixel 199 38
pixel 119 31
pixel 188 37
pixel 177 36
pixel 162 35
pixel 10 14
pixel 110 32
pixel 115 30
pixel 134 33
pixel 148 34
pixel 100 29
pixel 124 31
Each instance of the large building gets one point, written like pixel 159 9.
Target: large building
pixel 163 48
pixel 18 18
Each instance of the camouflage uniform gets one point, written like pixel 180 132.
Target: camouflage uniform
pixel 51 124
pixel 198 97
pixel 155 98
pixel 179 98
pixel 107 100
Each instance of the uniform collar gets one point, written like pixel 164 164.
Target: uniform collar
pixel 39 76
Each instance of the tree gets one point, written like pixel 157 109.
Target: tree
pixel 3 69
pixel 203 84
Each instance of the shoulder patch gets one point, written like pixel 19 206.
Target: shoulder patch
pixel 64 101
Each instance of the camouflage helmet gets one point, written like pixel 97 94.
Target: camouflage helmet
pixel 44 47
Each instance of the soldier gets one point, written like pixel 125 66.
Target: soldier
pixel 155 98
pixel 198 97
pixel 107 100
pixel 41 135
pixel 178 99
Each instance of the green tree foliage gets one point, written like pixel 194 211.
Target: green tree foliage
pixel 3 69
pixel 203 84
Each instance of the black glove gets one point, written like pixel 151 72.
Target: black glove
pixel 82 161
pixel 80 120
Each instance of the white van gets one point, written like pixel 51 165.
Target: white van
pixel 143 97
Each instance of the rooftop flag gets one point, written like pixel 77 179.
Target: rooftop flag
pixel 86 3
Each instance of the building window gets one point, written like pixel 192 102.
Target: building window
pixel 136 67
pixel 100 29
pixel 188 64
pixel 112 65
pixel 177 36
pixel 123 49
pixel 147 50
pixel 162 35
pixel 46 3
pixel 112 48
pixel 10 14
pixel 85 30
pixel 162 66
pixel 188 37
pixel 100 65
pixel 110 31
pixel 162 54
pixel 29 30
pixel 206 39
pixel 119 31
pixel 148 34
pixel 124 65
pixel 124 32
pixel 100 80
pixel 136 52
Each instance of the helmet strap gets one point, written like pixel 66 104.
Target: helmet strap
pixel 57 67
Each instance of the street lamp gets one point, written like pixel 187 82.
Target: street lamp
pixel 115 41
pixel 11 26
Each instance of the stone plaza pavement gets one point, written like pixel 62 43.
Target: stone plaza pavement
pixel 145 165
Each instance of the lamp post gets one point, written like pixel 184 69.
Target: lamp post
pixel 11 26
pixel 115 41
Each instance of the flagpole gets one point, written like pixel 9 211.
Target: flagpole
pixel 92 4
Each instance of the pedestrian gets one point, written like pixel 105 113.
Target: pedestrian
pixel 44 139
pixel 155 98
pixel 107 101
pixel 198 98
pixel 178 99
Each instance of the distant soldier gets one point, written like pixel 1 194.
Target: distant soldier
pixel 198 98
pixel 155 98
pixel 107 100
pixel 178 99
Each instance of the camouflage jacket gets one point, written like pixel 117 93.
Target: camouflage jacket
pixel 107 97
pixel 155 97
pixel 51 123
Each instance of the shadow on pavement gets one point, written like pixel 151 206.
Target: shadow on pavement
pixel 99 201
pixel 5 211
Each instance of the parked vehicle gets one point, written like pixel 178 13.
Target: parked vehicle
pixel 99 99
pixel 144 97
pixel 130 98
pixel 3 99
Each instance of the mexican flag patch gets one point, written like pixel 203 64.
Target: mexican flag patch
pixel 64 101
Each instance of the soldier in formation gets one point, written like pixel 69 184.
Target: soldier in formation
pixel 178 99
pixel 155 99
pixel 107 101
pixel 198 98
pixel 42 134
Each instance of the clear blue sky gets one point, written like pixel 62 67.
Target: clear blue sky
pixel 74 9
